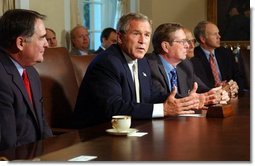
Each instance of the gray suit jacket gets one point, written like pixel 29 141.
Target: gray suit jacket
pixel 185 74
pixel 20 121
pixel 75 51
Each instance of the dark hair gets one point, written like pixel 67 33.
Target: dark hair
pixel 106 33
pixel 164 33
pixel 17 22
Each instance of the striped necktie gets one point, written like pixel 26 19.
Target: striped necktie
pixel 214 70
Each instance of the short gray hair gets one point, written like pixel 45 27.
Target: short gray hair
pixel 123 24
pixel 199 30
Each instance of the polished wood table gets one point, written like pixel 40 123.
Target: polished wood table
pixel 170 139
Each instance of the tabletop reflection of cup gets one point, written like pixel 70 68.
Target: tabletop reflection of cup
pixel 121 122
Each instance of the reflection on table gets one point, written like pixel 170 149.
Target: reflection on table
pixel 171 139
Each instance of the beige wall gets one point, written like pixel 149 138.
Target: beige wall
pixel 54 10
pixel 186 12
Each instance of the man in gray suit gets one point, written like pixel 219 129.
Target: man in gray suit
pixel 22 44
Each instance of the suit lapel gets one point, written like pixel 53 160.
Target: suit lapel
pixel 206 64
pixel 182 80
pixel 163 72
pixel 35 108
pixel 144 79
pixel 220 64
pixel 130 79
pixel 128 74
pixel 17 79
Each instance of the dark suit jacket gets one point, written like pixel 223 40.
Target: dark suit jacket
pixel 99 50
pixel 20 122
pixel 107 89
pixel 185 74
pixel 227 65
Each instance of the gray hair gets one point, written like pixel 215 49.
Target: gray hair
pixel 199 30
pixel 124 21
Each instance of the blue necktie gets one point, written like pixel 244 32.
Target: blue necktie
pixel 173 80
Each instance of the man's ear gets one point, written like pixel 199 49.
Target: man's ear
pixel 119 36
pixel 20 41
pixel 202 39
pixel 165 45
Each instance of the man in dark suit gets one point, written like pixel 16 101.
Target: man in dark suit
pixel 226 69
pixel 170 49
pixel 107 38
pixel 110 86
pixel 22 45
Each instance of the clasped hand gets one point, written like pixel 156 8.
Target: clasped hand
pixel 216 96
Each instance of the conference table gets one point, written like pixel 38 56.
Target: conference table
pixel 181 138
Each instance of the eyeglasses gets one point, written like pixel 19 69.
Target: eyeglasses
pixel 183 42
pixel 191 41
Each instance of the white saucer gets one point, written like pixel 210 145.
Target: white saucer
pixel 126 132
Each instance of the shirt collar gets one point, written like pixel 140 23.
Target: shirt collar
pixel 129 60
pixel 18 66
pixel 207 53
pixel 167 66
pixel 102 47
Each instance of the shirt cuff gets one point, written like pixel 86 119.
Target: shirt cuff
pixel 158 111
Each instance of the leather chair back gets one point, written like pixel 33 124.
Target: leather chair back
pixel 80 65
pixel 245 65
pixel 59 87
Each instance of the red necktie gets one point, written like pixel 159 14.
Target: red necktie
pixel 214 70
pixel 27 84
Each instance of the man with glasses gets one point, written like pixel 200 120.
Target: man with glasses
pixel 192 41
pixel 213 64
pixel 170 49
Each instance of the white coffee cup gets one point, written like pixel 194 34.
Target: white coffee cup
pixel 121 122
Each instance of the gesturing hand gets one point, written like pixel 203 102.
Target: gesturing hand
pixel 174 106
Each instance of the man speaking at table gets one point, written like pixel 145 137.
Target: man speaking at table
pixel 118 82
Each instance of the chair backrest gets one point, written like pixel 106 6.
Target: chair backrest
pixel 245 65
pixel 59 86
pixel 80 65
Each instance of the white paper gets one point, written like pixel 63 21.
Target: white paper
pixel 83 158
pixel 137 134
pixel 192 115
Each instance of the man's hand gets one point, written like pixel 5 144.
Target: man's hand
pixel 174 106
pixel 232 88
pixel 216 96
